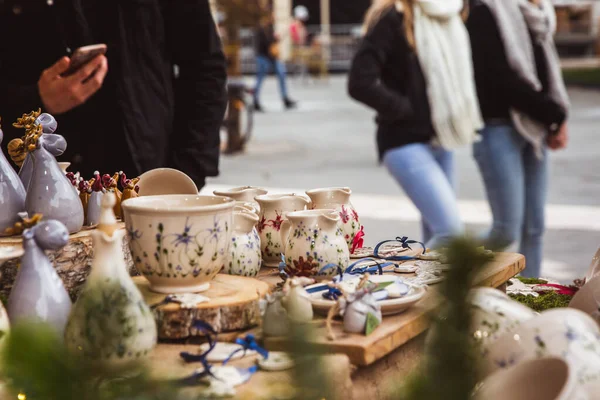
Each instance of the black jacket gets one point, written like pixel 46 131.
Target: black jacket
pixel 498 87
pixel 143 117
pixel 386 76
pixel 265 38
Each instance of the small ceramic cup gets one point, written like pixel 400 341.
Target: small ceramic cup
pixel 179 242
pixel 543 379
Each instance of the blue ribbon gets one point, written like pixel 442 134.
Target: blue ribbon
pixel 247 343
pixel 330 266
pixel 353 270
pixel 405 245
pixel 284 275
pixel 190 358
pixel 332 294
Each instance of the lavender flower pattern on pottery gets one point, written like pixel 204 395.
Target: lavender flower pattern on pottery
pixel 244 256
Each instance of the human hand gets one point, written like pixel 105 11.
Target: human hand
pixel 559 141
pixel 61 94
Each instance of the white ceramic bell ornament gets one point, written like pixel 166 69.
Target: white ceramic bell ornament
pixel 355 309
pixel 110 325
pixel 297 300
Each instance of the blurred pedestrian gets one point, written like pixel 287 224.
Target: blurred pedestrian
pixel 414 68
pixel 267 59
pixel 126 110
pixel 298 30
pixel 524 103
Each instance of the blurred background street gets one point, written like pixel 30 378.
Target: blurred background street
pixel 329 141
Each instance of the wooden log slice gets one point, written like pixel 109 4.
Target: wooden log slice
pixel 233 305
pixel 72 262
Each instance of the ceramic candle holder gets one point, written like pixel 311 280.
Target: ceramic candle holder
pixel 179 242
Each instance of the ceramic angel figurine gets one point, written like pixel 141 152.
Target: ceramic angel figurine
pixel 110 184
pixel 38 292
pixel 110 324
pixel 297 301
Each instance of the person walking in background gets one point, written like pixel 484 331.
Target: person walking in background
pixel 298 29
pixel 524 103
pixel 267 58
pixel 414 68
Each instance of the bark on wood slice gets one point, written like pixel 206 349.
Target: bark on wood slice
pixel 233 305
pixel 72 263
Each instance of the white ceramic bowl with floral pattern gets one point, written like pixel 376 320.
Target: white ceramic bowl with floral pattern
pixel 564 333
pixel 179 242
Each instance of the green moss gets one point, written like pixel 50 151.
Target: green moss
pixel 532 281
pixel 543 301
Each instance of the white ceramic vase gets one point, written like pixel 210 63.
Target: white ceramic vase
pixel 244 252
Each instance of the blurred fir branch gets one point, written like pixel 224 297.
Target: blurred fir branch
pixel 448 370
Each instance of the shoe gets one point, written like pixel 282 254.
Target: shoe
pixel 290 103
pixel 258 107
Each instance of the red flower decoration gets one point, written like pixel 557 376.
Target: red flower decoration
pixel 355 215
pixel 276 223
pixel 262 224
pixel 358 240
pixel 306 268
pixel 344 215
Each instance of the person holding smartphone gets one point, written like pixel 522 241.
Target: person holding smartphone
pixel 122 108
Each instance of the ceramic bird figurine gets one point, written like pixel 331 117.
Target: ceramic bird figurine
pixel 38 292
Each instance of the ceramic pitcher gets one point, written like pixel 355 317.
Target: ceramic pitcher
pixel 110 324
pixel 339 200
pixel 314 243
pixel 12 193
pixel 244 251
pixel 50 192
pixel 38 292
pixel 272 214
pixel 243 193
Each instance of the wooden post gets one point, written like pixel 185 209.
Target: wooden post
pixel 282 12
pixel 326 30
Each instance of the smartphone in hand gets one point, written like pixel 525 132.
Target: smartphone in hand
pixel 84 55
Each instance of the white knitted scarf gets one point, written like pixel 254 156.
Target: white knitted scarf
pixel 516 19
pixel 444 52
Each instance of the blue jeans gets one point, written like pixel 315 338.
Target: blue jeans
pixel 426 174
pixel 516 183
pixel 263 67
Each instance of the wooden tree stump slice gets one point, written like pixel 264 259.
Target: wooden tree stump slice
pixel 233 305
pixel 72 262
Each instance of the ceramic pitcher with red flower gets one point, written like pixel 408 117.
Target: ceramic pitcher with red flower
pixel 273 208
pixel 314 245
pixel 339 200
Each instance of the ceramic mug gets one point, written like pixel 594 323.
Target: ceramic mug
pixel 179 242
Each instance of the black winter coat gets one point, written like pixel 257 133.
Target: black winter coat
pixel 386 76
pixel 143 117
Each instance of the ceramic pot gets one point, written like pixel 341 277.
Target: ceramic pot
pixel 245 194
pixel 161 181
pixel 38 292
pixel 110 324
pixel 12 193
pixel 273 209
pixel 564 333
pixel 179 242
pixel 543 379
pixel 494 314
pixel 314 244
pixel 244 252
pixel 50 192
pixel 587 299
pixel 339 200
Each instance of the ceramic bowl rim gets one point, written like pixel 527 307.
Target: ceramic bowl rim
pixel 132 206
pixel 238 190
pixel 327 189
pixel 317 212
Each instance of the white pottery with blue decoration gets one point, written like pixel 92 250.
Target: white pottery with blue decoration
pixel 179 242
pixel 314 244
pixel 565 333
pixel 244 252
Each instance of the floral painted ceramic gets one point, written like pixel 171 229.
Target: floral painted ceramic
pixel 246 194
pixel 38 292
pixel 273 210
pixel 12 193
pixel 110 324
pixel 314 244
pixel 587 299
pixel 564 333
pixel 179 242
pixel 339 200
pixel 244 252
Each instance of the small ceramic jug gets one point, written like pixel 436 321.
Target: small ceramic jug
pixel 49 125
pixel 94 205
pixel 314 245
pixel 272 214
pixel 50 192
pixel 355 308
pixel 38 292
pixel 110 324
pixel 297 300
pixel 275 320
pixel 12 193
pixel 339 200
pixel 244 193
pixel 244 252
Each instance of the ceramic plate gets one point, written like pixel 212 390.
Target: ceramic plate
pixel 388 307
pixel 8 253
pixel 166 181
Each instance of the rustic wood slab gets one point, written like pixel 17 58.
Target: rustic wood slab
pixel 396 330
pixel 72 262
pixel 233 306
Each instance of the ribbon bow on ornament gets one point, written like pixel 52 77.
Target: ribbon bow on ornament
pixel 201 358
pixel 247 343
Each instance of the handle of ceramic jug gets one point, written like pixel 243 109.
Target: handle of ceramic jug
pixel 286 227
